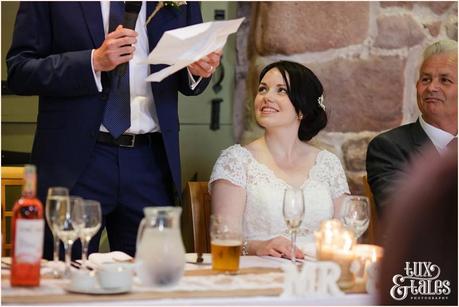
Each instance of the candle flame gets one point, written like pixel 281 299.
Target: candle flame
pixel 373 255
pixel 347 238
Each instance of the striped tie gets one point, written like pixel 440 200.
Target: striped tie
pixel 117 116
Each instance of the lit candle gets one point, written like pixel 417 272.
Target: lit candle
pixel 365 256
pixel 344 255
pixel 334 243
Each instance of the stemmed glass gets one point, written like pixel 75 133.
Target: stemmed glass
pixel 67 229
pixel 87 214
pixel 355 214
pixel 293 211
pixel 57 198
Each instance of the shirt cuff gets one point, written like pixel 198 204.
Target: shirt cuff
pixel 97 75
pixel 191 82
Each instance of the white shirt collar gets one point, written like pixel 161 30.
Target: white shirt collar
pixel 439 138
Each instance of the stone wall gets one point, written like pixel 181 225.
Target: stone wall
pixel 366 54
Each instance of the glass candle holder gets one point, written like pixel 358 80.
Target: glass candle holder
pixel 365 255
pixel 335 243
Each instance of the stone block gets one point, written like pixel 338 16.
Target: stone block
pixel 244 9
pixel 298 27
pixel 403 4
pixel 362 94
pixel 434 28
pixel 451 27
pixel 397 32
pixel 438 7
pixel 354 153
pixel 355 181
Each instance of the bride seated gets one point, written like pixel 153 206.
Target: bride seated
pixel 248 182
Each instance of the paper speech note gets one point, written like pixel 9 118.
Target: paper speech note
pixel 181 47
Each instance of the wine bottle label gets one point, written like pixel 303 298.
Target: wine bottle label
pixel 28 245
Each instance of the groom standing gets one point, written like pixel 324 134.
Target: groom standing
pixel 102 130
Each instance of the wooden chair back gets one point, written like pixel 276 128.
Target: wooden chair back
pixel 12 176
pixel 196 217
pixel 371 235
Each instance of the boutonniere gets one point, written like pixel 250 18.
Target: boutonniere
pixel 170 4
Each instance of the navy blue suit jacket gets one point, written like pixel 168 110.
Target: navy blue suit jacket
pixel 50 56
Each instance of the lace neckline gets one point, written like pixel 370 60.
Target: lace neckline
pixel 282 181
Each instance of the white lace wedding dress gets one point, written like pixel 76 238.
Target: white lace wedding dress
pixel 263 218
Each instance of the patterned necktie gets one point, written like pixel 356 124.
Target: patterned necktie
pixel 117 116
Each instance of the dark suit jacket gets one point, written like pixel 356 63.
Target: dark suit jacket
pixel 388 155
pixel 50 57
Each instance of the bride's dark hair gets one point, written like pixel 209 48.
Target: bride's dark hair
pixel 304 90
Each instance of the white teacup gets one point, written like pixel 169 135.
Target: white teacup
pixel 82 279
pixel 115 275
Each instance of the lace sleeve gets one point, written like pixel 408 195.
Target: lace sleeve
pixel 230 166
pixel 336 177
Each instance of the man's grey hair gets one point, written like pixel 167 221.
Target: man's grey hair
pixel 442 46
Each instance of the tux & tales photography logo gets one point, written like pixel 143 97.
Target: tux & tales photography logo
pixel 420 281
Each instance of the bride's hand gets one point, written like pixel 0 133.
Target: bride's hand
pixel 277 247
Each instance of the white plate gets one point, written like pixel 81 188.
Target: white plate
pixel 96 290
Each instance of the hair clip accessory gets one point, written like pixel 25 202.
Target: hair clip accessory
pixel 320 101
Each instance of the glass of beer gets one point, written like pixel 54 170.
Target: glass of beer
pixel 226 242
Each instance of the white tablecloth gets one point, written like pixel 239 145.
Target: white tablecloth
pixel 53 287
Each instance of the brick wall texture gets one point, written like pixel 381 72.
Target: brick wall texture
pixel 367 55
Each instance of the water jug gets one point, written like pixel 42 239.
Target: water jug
pixel 160 255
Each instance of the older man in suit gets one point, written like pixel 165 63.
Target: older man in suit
pixel 389 152
pixel 106 134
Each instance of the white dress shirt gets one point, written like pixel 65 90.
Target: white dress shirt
pixel 143 110
pixel 439 138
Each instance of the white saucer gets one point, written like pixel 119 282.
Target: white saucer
pixel 96 290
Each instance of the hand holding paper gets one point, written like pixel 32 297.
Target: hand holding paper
pixel 182 47
pixel 206 65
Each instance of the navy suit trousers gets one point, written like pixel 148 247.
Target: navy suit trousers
pixel 124 181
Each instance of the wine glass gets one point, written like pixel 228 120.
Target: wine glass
pixel 57 197
pixel 355 214
pixel 87 214
pixel 293 211
pixel 67 229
